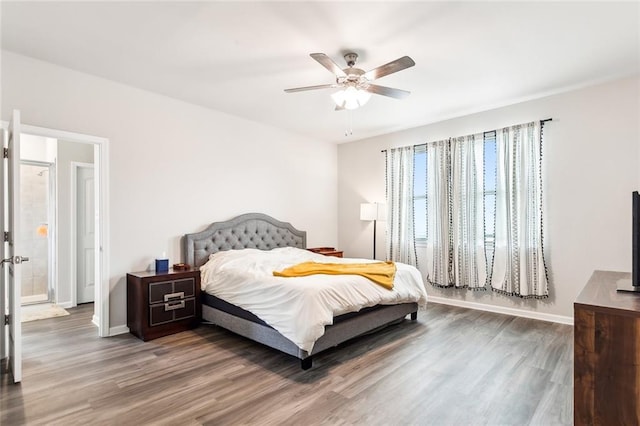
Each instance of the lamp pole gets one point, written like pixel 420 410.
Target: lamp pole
pixel 374 239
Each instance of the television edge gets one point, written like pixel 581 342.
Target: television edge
pixel 633 285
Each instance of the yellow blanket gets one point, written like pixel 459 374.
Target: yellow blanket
pixel 380 272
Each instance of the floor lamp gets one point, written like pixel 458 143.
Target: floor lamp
pixel 372 212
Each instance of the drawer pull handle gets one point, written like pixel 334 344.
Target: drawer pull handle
pixel 171 296
pixel 172 306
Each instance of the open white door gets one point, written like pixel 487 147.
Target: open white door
pixel 85 234
pixel 3 280
pixel 14 259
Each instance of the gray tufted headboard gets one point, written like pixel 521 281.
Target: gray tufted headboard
pixel 250 230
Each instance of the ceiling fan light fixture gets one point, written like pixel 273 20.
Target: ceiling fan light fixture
pixel 354 84
pixel 351 97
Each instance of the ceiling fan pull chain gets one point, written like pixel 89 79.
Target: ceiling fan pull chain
pixel 350 123
pixel 349 131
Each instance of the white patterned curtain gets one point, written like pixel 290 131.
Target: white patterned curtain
pixel 518 265
pixel 467 205
pixel 401 245
pixel 438 270
pixel 455 213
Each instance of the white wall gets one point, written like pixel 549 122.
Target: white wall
pixel 591 166
pixel 176 167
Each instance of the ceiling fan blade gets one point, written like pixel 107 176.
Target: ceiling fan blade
pixel 387 91
pixel 386 69
pixel 302 89
pixel 328 63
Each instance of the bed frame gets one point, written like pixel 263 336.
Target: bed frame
pixel 259 231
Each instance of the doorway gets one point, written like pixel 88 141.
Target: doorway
pixel 37 219
pixel 10 283
pixel 57 233
pixel 71 151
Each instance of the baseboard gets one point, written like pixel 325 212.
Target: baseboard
pixel 65 305
pixel 121 329
pixel 95 320
pixel 38 298
pixel 503 310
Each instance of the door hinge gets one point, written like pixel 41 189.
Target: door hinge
pixel 5 152
pixel 6 236
pixel 7 319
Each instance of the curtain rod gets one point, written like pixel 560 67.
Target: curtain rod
pixel 541 122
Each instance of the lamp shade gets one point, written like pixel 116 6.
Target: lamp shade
pixel 382 212
pixel 368 211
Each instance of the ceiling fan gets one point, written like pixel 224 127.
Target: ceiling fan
pixel 356 83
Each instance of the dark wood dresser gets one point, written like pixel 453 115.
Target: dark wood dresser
pixel 162 303
pixel 606 374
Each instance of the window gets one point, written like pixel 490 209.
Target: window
pixel 470 212
pixel 489 188
pixel 420 193
pixel 421 196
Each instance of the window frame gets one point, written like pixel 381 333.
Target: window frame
pixel 489 238
pixel 422 239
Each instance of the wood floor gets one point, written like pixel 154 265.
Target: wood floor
pixel 451 367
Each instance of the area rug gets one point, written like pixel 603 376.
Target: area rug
pixel 38 312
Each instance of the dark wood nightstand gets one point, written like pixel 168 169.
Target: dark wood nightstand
pixel 327 251
pixel 162 303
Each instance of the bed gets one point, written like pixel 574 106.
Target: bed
pixel 263 235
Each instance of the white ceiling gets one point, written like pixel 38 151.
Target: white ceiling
pixel 237 57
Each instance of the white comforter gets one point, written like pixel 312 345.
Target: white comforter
pixel 299 308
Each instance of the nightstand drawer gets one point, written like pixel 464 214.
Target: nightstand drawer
pixel 165 291
pixel 163 313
